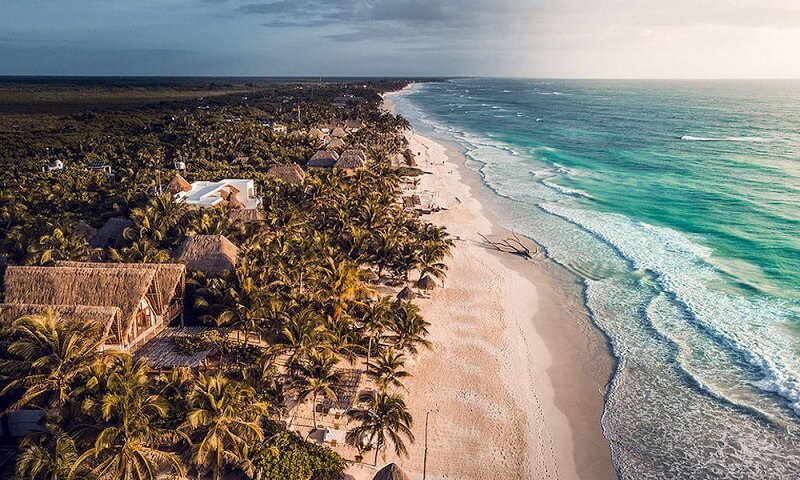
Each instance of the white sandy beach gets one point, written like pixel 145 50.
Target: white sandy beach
pixel 515 379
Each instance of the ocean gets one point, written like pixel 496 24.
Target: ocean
pixel 677 204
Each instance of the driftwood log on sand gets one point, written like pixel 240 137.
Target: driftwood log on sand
pixel 512 245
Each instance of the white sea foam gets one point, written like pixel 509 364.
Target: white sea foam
pixel 690 138
pixel 753 328
pixel 565 190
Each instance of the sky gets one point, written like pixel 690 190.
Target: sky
pixel 516 38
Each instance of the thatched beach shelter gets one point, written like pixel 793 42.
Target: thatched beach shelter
pixel 244 216
pixel 426 282
pixel 338 132
pixel 391 472
pixel 210 254
pixel 335 144
pixel 110 233
pixel 178 184
pixel 323 159
pixel 291 174
pixel 351 160
pixel 134 301
pixel 296 134
pixel 316 133
pixel 406 294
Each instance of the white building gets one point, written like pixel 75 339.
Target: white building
pixel 239 193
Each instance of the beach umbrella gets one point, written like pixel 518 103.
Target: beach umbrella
pixel 406 294
pixel 426 283
pixel 390 472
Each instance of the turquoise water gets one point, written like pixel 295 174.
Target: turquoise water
pixel 678 204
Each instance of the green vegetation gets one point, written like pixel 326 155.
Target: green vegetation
pixel 296 306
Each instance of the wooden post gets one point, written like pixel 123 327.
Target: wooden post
pixel 425 455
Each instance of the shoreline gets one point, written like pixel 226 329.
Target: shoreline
pixel 522 395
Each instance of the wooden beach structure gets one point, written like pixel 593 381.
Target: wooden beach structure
pixel 133 301
pixel 351 160
pixel 323 159
pixel 210 254
pixel 290 174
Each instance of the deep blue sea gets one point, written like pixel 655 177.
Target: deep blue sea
pixel 678 205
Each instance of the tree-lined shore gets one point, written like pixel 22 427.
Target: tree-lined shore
pixel 302 301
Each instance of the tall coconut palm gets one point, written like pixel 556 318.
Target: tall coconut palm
pixel 342 284
pixel 313 376
pixel 46 456
pixel 375 321
pixel 409 327
pixel 388 370
pixel 48 357
pixel 223 423
pixel 383 418
pixel 129 444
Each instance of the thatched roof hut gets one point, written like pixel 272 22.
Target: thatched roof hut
pixel 323 159
pixel 335 143
pixel 110 233
pixel 210 254
pixel 338 132
pixel 410 161
pixel 291 174
pixel 244 216
pixel 316 133
pixel 296 134
pixel 353 125
pixel 178 184
pixel 426 282
pixel 351 160
pixel 406 294
pixel 391 472
pixel 145 296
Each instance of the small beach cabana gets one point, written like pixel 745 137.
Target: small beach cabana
pixel 338 132
pixel 110 233
pixel 245 216
pixel 291 174
pixel 351 160
pixel 426 282
pixel 323 159
pixel 210 254
pixel 316 133
pixel 178 184
pixel 406 294
pixel 133 301
pixel 335 143
pixel 391 472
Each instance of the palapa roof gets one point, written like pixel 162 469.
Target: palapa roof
pixel 167 277
pixel 323 159
pixel 249 215
pixel 291 174
pixel 338 132
pixel 426 282
pixel 110 232
pixel 335 143
pixel 406 294
pixel 120 285
pixel 391 472
pixel 353 124
pixel 178 184
pixel 351 160
pixel 211 254
pixel 316 133
pixel 296 134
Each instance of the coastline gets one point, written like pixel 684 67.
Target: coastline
pixel 516 379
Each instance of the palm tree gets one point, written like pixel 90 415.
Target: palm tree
pixel 383 418
pixel 314 376
pixel 49 357
pixel 342 283
pixel 388 371
pixel 61 243
pixel 129 444
pixel 224 423
pixel 409 327
pixel 46 456
pixel 375 321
